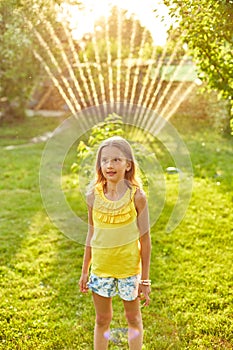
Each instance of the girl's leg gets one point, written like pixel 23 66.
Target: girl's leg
pixel 134 319
pixel 103 309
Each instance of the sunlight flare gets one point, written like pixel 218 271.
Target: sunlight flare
pixel 78 63
pixel 136 78
pixel 98 72
pixel 66 61
pixel 56 82
pixel 119 54
pixel 109 61
pixel 130 58
pixel 58 67
pixel 169 85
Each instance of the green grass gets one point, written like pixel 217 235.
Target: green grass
pixel 192 292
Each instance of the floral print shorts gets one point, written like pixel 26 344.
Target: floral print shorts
pixel 126 288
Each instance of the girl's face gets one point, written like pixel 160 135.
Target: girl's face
pixel 113 164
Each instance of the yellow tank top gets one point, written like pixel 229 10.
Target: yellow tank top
pixel 115 242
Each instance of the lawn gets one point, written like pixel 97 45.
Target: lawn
pixel 192 290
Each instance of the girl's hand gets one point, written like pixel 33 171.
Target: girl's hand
pixel 143 294
pixel 83 283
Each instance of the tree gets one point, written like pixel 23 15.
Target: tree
pixel 19 70
pixel 207 29
pixel 128 25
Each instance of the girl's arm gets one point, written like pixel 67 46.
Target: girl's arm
pixel 145 241
pixel 87 253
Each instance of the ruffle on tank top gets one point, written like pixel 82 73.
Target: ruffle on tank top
pixel 111 212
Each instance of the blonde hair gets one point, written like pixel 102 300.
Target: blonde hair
pixel 124 146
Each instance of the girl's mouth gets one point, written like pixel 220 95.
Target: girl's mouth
pixel 111 173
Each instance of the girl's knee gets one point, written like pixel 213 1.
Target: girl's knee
pixel 103 320
pixel 134 319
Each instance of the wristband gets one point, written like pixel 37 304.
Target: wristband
pixel 145 282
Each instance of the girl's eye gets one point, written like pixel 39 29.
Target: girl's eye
pixel 104 160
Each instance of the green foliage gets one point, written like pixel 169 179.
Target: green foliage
pixel 231 125
pixel 16 73
pixel 206 27
pixel 20 72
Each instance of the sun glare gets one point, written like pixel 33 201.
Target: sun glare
pixel 82 21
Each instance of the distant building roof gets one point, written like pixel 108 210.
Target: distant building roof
pixel 185 72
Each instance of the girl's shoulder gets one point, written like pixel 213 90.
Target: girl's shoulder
pixel 93 192
pixel 90 197
pixel 140 197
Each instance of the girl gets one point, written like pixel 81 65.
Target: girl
pixel 118 242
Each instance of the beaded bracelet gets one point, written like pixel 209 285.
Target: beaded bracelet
pixel 145 282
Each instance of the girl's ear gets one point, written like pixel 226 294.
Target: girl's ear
pixel 128 166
